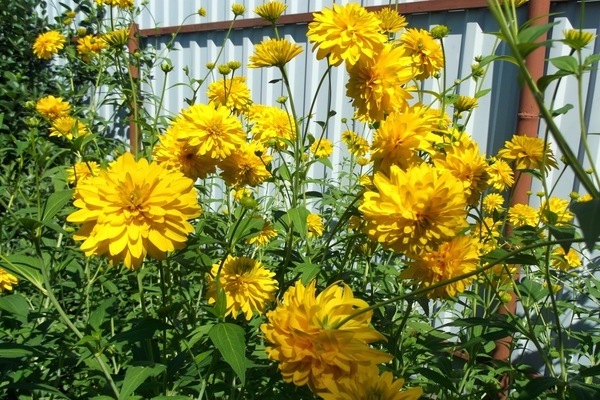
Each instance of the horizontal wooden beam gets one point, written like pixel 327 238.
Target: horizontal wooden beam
pixel 418 7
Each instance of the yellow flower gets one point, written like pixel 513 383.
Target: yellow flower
pixel 245 167
pixel 577 39
pixel 270 125
pixel 134 209
pixel 68 127
pixel 515 3
pixel 82 170
pixel 585 197
pixel 345 33
pixel 248 286
pixel 414 210
pixel 399 138
pixel 266 234
pixel 528 153
pixel 123 4
pixel 465 103
pixel 322 148
pixel 426 53
pixel 363 161
pixel 271 11
pixel 563 261
pixel 89 46
pixel 391 20
pixel 464 161
pixel 371 385
pixel 357 145
pixel 214 130
pixel 560 208
pixel 273 53
pixel 450 259
pixel 7 280
pixel 493 202
pixel 501 174
pixel 47 44
pixel 376 83
pixel 51 107
pixel 523 214
pixel 232 93
pixel 176 153
pixel 314 224
pixel 487 233
pixel 117 38
pixel 309 346
pixel 238 9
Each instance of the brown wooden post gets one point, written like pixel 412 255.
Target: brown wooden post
pixel 528 124
pixel 133 46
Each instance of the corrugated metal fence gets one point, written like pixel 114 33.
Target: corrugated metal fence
pixel 471 26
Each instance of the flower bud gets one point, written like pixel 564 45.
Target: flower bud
pixel 166 67
pixel 282 99
pixel 234 65
pixel 202 12
pixel 439 31
pixel 224 69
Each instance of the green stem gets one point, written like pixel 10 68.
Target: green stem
pixel 427 289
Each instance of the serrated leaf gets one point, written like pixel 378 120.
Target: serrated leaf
pixel 588 217
pixel 566 64
pixel 135 376
pixel 229 340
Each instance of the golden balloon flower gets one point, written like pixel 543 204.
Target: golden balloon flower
pixel 311 349
pixel 134 209
pixel 248 286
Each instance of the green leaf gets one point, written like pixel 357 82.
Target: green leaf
pixel 566 64
pixel 135 376
pixel 563 232
pixel 546 80
pixel 588 216
pixel 16 305
pixel 591 59
pixel 482 93
pixel 97 316
pixel 491 58
pixel 537 386
pixel 297 217
pixel 308 271
pixel 437 377
pixel 229 340
pixel 145 329
pixel 56 202
pixel 563 110
pixel 25 266
pixel 15 350
pixel 533 32
pixel 591 371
